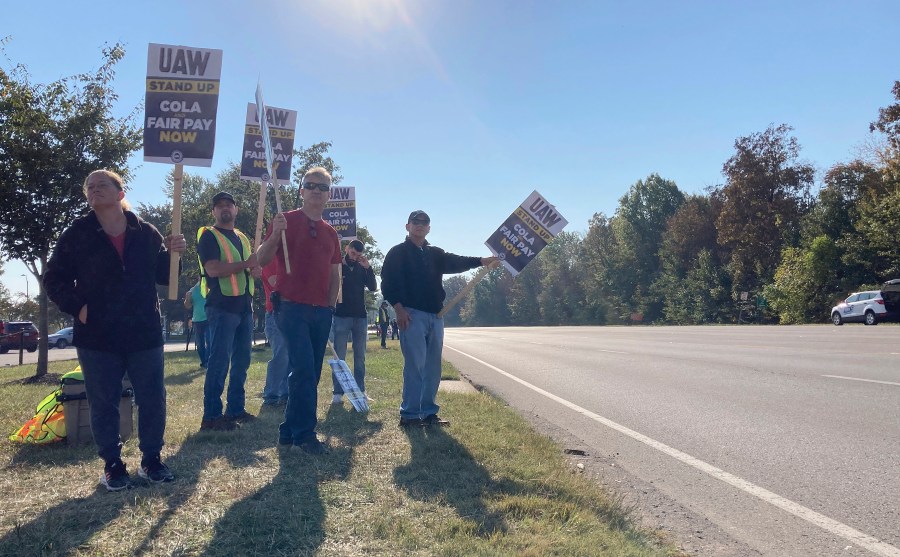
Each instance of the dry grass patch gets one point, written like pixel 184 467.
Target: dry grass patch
pixel 487 485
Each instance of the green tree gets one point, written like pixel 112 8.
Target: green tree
pixel 702 295
pixel 806 282
pixel 486 304
pixel 688 256
pixel 51 137
pixel 603 290
pixel 453 285
pixel 309 157
pixel 639 224
pixel 888 121
pixel 766 194
pixel 524 296
pixel 561 297
pixel 879 221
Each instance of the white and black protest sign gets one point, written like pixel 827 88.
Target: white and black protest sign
pixel 281 124
pixel 340 211
pixel 181 103
pixel 526 232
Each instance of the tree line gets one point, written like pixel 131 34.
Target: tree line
pixel 763 244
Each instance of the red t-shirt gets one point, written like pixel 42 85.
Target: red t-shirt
pixel 311 259
pixel 118 242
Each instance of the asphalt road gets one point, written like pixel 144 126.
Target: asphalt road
pixel 54 354
pixel 740 440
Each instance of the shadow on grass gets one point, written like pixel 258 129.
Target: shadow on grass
pixel 185 377
pixel 239 449
pixel 287 516
pixel 441 470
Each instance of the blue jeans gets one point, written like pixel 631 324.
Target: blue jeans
pixel 277 371
pixel 230 336
pixel 357 328
pixel 421 343
pixel 305 329
pixel 201 341
pixel 383 328
pixel 103 374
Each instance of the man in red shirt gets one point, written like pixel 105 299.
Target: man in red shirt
pixel 304 302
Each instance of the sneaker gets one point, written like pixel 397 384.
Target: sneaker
pixel 115 476
pixel 337 399
pixel 314 447
pixel 154 471
pixel 434 420
pixel 218 424
pixel 242 417
pixel 411 422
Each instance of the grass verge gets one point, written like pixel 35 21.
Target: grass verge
pixel 487 485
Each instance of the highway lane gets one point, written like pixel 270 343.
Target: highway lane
pixel 759 440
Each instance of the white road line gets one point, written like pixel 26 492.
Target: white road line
pixel 850 534
pixel 866 380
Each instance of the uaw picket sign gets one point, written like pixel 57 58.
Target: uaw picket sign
pixel 181 102
pixel 526 232
pixel 340 212
pixel 281 124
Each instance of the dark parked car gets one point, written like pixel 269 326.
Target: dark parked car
pixel 13 330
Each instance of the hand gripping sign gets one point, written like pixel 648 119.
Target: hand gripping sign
pixel 181 102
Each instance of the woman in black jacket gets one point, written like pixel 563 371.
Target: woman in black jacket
pixel 104 271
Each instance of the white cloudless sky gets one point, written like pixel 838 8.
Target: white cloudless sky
pixel 463 107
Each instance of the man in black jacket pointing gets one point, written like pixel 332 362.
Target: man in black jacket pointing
pixel 411 280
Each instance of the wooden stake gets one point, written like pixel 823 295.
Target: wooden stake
pixel 260 212
pixel 482 272
pixel 175 257
pixel 284 247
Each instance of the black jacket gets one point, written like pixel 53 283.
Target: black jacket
pixel 353 280
pixel 413 276
pixel 123 307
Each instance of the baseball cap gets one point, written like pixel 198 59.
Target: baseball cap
pixel 420 215
pixel 220 196
pixel 357 245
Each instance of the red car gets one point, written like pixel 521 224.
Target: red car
pixel 15 332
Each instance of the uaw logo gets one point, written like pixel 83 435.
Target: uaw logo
pixel 177 156
pixel 264 177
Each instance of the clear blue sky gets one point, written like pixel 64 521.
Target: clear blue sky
pixel 463 107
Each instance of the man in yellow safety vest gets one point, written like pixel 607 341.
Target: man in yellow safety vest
pixel 228 267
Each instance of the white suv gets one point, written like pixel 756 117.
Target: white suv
pixel 867 307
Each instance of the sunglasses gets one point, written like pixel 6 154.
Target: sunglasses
pixel 314 185
pixel 313 233
pixel 420 222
